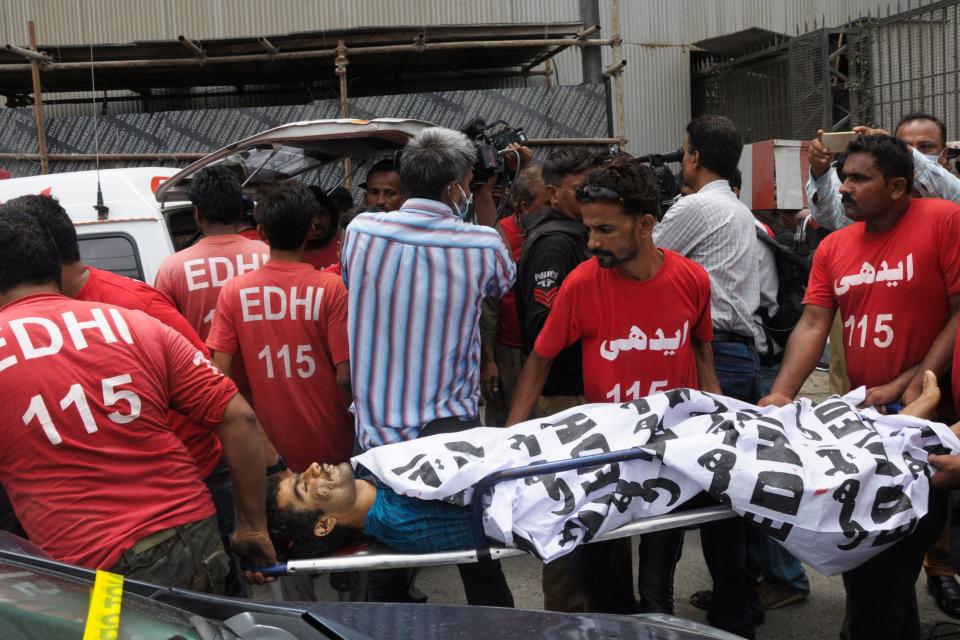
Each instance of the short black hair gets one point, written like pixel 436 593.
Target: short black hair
pixel 635 183
pixel 28 254
pixel 718 141
pixel 567 161
pixel 216 193
pixel 327 205
pixel 890 155
pixel 291 530
pixel 286 214
pixel 342 197
pixel 917 115
pixel 51 216
pixel 382 166
pixel 736 179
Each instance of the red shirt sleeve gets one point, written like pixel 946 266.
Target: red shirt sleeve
pixel 337 339
pixel 820 284
pixel 703 329
pixel 948 240
pixel 562 327
pixel 223 331
pixel 161 308
pixel 197 389
pixel 163 282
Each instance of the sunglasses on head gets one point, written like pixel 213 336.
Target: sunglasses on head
pixel 592 193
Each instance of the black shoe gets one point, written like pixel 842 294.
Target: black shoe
pixel 946 593
pixel 701 600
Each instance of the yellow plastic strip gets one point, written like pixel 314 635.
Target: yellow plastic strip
pixel 103 618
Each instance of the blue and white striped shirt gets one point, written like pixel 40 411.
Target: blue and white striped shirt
pixel 416 279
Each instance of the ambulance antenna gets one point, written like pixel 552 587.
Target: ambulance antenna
pixel 102 210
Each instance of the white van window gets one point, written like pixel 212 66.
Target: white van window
pixel 116 252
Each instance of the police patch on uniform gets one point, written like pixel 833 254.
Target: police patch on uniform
pixel 545 287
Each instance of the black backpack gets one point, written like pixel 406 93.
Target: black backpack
pixel 793 270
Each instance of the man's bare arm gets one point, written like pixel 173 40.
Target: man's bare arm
pixel 240 435
pixel 803 352
pixel 223 361
pixel 529 386
pixel 344 383
pixel 706 373
pixel 939 358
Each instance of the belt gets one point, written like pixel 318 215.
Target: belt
pixel 729 336
pixel 145 544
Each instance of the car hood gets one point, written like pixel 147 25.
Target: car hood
pixel 424 622
pixel 289 150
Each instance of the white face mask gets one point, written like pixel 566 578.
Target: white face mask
pixel 463 211
pixel 932 157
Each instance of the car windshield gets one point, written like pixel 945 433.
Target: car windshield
pixel 274 163
pixel 38 605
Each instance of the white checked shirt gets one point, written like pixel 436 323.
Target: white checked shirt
pixel 715 230
pixel 930 179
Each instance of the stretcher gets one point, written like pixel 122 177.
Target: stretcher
pixel 373 555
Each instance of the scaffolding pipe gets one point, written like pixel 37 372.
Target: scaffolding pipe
pixel 616 54
pixel 192 46
pixel 266 44
pixel 28 53
pixel 192 156
pixel 340 69
pixel 312 54
pixel 38 102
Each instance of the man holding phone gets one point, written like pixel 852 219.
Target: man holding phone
pixel 924 134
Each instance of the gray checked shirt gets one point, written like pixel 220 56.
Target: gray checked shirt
pixel 715 230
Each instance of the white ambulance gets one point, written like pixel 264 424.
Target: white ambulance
pixel 146 215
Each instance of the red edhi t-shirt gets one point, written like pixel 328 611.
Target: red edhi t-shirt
pixel 110 288
pixel 192 278
pixel 892 288
pixel 288 322
pixel 637 336
pixel 87 454
pixel 508 331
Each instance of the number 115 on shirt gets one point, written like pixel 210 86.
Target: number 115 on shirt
pixel 633 391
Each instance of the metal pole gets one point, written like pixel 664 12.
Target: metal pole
pixel 312 54
pixel 591 60
pixel 38 102
pixel 617 54
pixel 340 68
pixel 548 71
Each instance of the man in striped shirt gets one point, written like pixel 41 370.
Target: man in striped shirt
pixel 416 279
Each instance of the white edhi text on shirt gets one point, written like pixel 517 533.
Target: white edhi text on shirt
pixel 868 275
pixel 44 337
pixel 77 397
pixel 638 341
pixel 219 269
pixel 276 302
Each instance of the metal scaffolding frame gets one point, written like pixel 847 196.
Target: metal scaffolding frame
pixel 216 61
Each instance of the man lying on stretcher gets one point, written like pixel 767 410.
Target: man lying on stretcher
pixel 322 509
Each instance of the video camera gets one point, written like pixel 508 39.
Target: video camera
pixel 669 189
pixel 489 161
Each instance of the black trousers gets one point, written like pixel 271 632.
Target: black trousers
pixel 881 593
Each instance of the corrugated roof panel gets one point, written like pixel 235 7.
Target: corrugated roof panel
pixel 656 97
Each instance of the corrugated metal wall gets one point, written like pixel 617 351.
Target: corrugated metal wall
pixel 657 33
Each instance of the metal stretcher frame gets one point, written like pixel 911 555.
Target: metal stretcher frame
pixel 373 559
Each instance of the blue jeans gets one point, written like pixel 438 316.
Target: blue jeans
pixel 767 559
pixel 738 370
